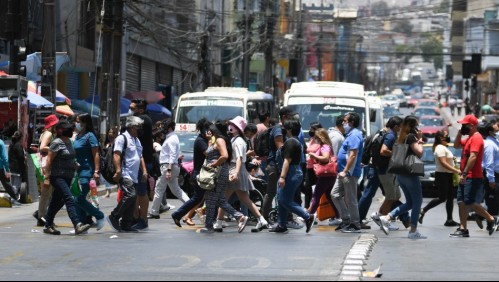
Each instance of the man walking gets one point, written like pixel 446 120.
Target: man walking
pixel 470 192
pixel 349 170
pixel 168 159
pixel 127 161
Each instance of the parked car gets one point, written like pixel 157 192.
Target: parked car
pixel 430 125
pixel 390 101
pixel 420 111
pixel 428 180
pixel 391 112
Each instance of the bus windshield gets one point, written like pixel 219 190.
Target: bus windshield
pixel 327 110
pixel 191 111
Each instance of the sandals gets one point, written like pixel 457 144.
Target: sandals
pixel 188 221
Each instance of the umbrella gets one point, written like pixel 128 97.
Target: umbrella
pixel 124 103
pixel 37 101
pixel 59 97
pixel 158 112
pixel 152 97
pixel 85 107
pixel 34 64
pixel 64 110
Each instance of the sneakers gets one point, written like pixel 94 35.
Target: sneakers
pixel 262 224
pixel 242 224
pixel 152 216
pixel 460 233
pixel 451 223
pixel 205 231
pixel 100 223
pixel 310 222
pixel 341 226
pixel 51 230
pixel 81 228
pixel 385 223
pixel 15 203
pixel 492 225
pixel 141 225
pixel 352 228
pixel 294 224
pixel 416 235
pixel 421 216
pixel 114 223
pixel 218 226
pixel 279 229
pixel 375 218
pixel 392 227
pixel 335 221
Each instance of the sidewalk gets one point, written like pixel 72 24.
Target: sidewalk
pixel 452 119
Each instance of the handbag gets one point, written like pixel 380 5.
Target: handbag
pixel 75 186
pixel 327 170
pixel 402 162
pixel 325 210
pixel 207 178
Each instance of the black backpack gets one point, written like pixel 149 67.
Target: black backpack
pixel 262 142
pixel 372 148
pixel 377 159
pixel 108 169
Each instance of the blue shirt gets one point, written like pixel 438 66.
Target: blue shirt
pixel 490 160
pixel 4 159
pixel 389 141
pixel 274 133
pixel 353 141
pixel 83 146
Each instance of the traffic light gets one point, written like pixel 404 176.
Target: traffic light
pixel 20 53
pixel 474 82
pixel 466 85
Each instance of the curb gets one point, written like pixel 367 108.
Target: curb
pixel 355 260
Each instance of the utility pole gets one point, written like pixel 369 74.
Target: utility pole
pixel 269 50
pixel 107 39
pixel 319 44
pixel 300 76
pixel 49 77
pixel 246 58
pixel 115 91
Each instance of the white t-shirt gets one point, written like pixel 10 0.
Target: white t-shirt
pixel 442 151
pixel 239 149
pixel 132 156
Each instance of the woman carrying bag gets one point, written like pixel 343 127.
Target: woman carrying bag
pixel 411 137
pixel 322 158
pixel 444 174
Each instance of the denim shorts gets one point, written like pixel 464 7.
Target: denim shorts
pixel 471 192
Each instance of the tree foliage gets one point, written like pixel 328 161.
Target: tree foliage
pixel 432 50
pixel 405 27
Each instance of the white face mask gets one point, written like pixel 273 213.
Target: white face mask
pixel 347 127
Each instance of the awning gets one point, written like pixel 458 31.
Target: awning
pixel 152 97
pixel 36 101
pixel 59 97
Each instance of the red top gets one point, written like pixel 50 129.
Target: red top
pixel 474 144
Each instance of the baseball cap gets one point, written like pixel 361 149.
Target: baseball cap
pixel 469 119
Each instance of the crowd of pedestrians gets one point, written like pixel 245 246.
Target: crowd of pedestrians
pixel 147 161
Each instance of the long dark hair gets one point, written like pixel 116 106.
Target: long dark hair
pixel 438 138
pixel 219 130
pixel 89 124
pixel 408 126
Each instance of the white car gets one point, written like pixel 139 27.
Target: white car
pixel 391 101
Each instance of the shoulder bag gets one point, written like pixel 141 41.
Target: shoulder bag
pixel 329 169
pixel 404 163
pixel 207 178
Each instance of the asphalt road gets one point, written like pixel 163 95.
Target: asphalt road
pixel 166 252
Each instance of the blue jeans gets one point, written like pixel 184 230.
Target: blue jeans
pixel 61 196
pixel 286 196
pixel 193 202
pixel 411 186
pixel 84 207
pixel 369 191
